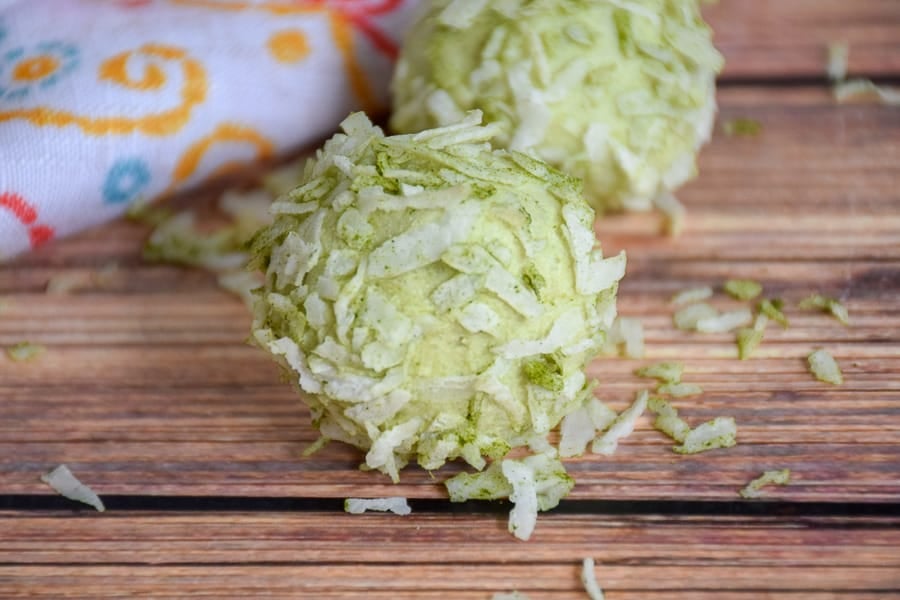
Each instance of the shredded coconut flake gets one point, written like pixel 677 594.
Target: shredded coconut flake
pixel 622 427
pixel 580 427
pixel 668 372
pixel 459 14
pixel 825 368
pixel 838 53
pixel 562 333
pixel 514 595
pixel 241 284
pixel 523 516
pixel 626 333
pixel 65 283
pixel 721 432
pixel 687 318
pixel 742 126
pixel 726 321
pixel 589 580
pixel 673 211
pixel 749 338
pixel 742 289
pixel 773 309
pixel 776 477
pixel 317 445
pixel 66 484
pixel 692 295
pixel 828 305
pixel 535 483
pixel 860 89
pixel 25 351
pixel 395 504
pixel 679 390
pixel 667 419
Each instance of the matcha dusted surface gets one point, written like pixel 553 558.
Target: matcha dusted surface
pixel 619 94
pixel 434 298
pixel 149 395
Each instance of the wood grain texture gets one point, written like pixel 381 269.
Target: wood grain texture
pixel 147 388
pixel 787 39
pixel 456 556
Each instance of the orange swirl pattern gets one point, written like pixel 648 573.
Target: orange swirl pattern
pixel 274 8
pixel 115 70
pixel 189 161
pixel 344 17
pixel 343 38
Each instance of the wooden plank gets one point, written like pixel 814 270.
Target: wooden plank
pixel 434 581
pixel 783 39
pixel 422 555
pixel 146 387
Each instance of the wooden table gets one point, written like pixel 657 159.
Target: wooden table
pixel 147 392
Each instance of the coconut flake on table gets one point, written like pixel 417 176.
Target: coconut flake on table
pixel 589 580
pixel 773 477
pixel 721 432
pixel 690 296
pixel 672 210
pixel 825 368
pixel 513 595
pixel 667 419
pixel 857 88
pixel 580 427
pixel 622 427
pixel 25 351
pixel 66 484
pixel 838 53
pixel 626 338
pixel 724 322
pixel 742 126
pixel 394 504
pixel 534 483
pixel 67 282
pixel 667 372
pixel 687 318
pixel 749 338
pixel 828 305
pixel 679 389
pixel 742 289
pixel 860 89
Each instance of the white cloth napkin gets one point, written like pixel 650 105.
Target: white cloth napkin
pixel 103 102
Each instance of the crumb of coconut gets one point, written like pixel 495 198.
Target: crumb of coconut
pixel 742 289
pixel 589 580
pixel 721 432
pixel 742 127
pixel 66 484
pixel 823 366
pixel 513 595
pixel 317 445
pixel 395 504
pixel 622 427
pixel 25 351
pixel 692 295
pixel 828 305
pixel 774 477
pixel 667 372
pixel 679 390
